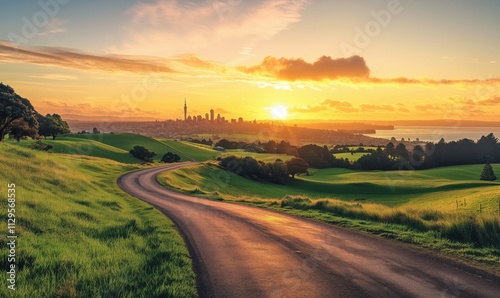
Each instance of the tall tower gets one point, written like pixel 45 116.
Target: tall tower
pixel 212 112
pixel 185 109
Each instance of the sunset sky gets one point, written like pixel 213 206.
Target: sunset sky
pixel 324 59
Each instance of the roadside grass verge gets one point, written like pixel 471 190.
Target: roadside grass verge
pixel 462 233
pixel 79 235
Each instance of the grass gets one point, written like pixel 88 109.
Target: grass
pixel 79 235
pixel 416 207
pixel 189 151
pixel 351 157
pixel 126 142
pixel 89 147
pixel 268 157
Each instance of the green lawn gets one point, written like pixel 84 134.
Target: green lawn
pixel 79 235
pixel 352 157
pixel 441 187
pixel 189 151
pixel 84 146
pixel 126 142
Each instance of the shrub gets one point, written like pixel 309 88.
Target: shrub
pixel 143 153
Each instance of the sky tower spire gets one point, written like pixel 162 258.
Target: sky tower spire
pixel 185 109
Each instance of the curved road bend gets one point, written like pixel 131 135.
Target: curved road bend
pixel 243 251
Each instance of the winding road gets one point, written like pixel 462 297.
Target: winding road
pixel 243 251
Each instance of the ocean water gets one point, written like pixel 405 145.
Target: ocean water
pixel 435 133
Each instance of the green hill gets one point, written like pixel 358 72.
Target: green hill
pixel 126 142
pixel 79 235
pixel 83 146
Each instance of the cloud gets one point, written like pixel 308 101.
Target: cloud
pixel 325 68
pixel 347 107
pixel 54 25
pixel 327 104
pixel 56 77
pixel 493 101
pixel 430 82
pixel 350 70
pixel 176 26
pixel 194 61
pixel 68 58
pixel 90 108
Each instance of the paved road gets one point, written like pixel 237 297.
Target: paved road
pixel 242 251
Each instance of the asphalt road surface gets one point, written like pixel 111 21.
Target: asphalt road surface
pixel 243 251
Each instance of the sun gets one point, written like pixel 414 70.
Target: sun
pixel 279 112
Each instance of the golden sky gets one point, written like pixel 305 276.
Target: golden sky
pixel 328 60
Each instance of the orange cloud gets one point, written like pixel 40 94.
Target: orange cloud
pixel 351 70
pixel 325 68
pixel 347 107
pixel 78 60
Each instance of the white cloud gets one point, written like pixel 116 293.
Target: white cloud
pixel 178 27
pixel 54 25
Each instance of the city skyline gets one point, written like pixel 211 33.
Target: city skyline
pixel 334 60
pixel 208 117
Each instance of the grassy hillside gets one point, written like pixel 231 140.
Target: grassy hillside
pixel 416 207
pixel 126 142
pixel 189 151
pixel 441 187
pixel 79 235
pixel 84 146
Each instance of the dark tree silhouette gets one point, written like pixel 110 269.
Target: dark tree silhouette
pixel 488 174
pixel 143 153
pixel 52 125
pixel 170 157
pixel 296 166
pixel 20 129
pixel 13 107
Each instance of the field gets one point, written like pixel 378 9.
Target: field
pixel 79 235
pixel 89 147
pixel 437 208
pixel 352 157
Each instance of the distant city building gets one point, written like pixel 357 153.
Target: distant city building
pixel 212 112
pixel 185 109
pixel 206 116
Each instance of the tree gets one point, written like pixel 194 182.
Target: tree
pixel 20 128
pixel 170 157
pixel 488 174
pixel 277 171
pixel 13 107
pixel 52 125
pixel 95 130
pixel 296 166
pixel 390 150
pixel 143 153
pixel 402 152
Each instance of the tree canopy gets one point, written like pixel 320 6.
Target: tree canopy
pixel 143 153
pixel 487 173
pixel 13 107
pixel 52 125
pixel 170 157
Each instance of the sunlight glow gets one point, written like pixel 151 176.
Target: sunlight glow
pixel 278 112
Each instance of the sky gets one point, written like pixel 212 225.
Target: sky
pixel 261 59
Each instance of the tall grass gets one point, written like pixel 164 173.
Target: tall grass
pixel 79 235
pixel 481 231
